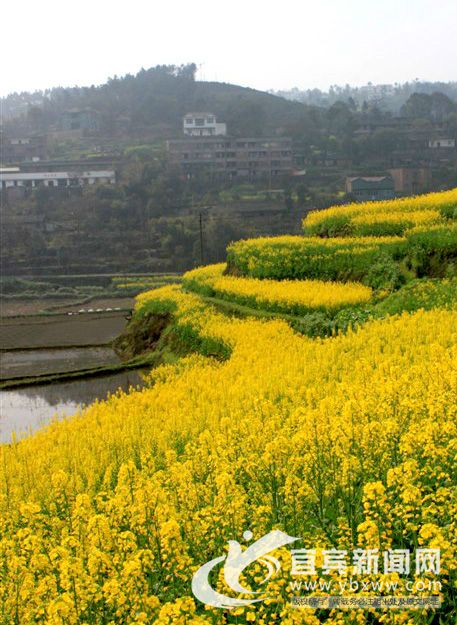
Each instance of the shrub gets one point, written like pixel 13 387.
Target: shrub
pixel 384 273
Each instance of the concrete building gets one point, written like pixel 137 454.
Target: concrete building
pixel 202 125
pixel 367 188
pixel 446 144
pixel 85 119
pixel 411 180
pixel 233 158
pixel 37 179
pixel 23 149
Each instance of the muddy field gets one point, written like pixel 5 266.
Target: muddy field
pixel 60 330
pixel 11 307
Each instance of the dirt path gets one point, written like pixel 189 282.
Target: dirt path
pixel 17 306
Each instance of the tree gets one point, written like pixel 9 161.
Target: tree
pixel 302 194
pixel 417 105
pixel 435 107
pixel 441 107
pixel 340 119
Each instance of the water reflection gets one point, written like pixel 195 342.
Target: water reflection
pixel 34 362
pixel 25 409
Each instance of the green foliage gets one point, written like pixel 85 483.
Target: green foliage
pixel 132 285
pixel 158 97
pixel 300 257
pixel 380 262
pixel 11 285
pixel 205 345
pixel 434 107
pixel 142 152
pixel 155 307
pixel 433 251
pixel 449 211
pixel 318 324
pixel 384 273
pixel 333 226
pixel 417 294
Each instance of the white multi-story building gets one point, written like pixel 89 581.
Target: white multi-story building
pixel 441 143
pixel 202 125
pixel 14 178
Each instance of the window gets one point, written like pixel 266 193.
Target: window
pixel 210 120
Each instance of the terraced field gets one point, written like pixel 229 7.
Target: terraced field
pixel 309 386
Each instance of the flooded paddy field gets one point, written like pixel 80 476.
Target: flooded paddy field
pixel 28 408
pixel 56 356
pixel 59 346
pixel 37 362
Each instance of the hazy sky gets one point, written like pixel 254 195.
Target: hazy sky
pixel 263 44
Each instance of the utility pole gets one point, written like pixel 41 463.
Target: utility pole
pixel 200 221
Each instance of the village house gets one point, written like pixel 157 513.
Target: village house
pixel 411 180
pixel 24 148
pixel 367 188
pixel 227 158
pixel 13 177
pixel 202 125
pixel 443 144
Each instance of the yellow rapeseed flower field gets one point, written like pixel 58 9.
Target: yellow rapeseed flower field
pixel 289 296
pixel 412 218
pixel 345 441
pixel 431 202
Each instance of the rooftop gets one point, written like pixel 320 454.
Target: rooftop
pixel 368 178
pixel 199 114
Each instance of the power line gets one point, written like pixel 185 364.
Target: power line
pixel 200 221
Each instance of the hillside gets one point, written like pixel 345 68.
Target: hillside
pixel 159 96
pixel 322 404
pixel 386 97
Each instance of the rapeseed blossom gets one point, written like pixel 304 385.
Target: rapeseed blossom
pixel 288 296
pixel 349 440
pixel 354 219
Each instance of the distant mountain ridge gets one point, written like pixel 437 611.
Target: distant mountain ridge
pixel 159 95
pixel 152 103
pixel 389 97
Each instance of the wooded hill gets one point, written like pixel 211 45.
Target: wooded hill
pixel 158 96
